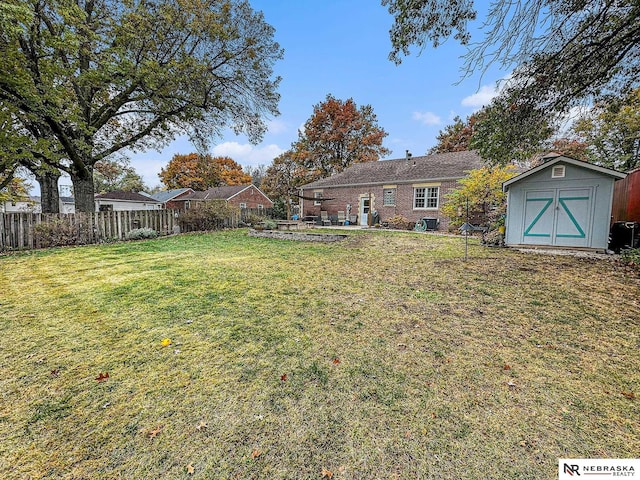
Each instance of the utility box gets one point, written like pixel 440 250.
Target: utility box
pixel 624 235
pixel 430 223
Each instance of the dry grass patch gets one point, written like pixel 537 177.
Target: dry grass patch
pixel 383 356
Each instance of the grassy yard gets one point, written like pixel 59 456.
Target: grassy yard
pixel 383 356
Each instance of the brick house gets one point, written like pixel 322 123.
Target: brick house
pixel 170 199
pixel 414 187
pixel 242 196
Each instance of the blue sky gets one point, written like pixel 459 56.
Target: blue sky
pixel 341 47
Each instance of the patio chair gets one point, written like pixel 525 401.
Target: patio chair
pixel 341 218
pixel 324 215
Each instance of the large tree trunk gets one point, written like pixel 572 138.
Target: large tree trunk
pixel 49 195
pixel 83 190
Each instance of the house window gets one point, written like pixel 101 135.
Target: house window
pixel 243 205
pixel 260 206
pixel 105 208
pixel 425 197
pixel 389 197
pixel 558 171
pixel 317 195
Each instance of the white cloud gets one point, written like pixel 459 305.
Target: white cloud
pixel 246 154
pixel 481 98
pixel 427 118
pixel 277 126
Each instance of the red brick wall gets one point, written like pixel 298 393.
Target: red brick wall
pixel 175 203
pixel 252 197
pixel 341 196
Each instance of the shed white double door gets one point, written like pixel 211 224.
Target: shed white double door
pixel 558 217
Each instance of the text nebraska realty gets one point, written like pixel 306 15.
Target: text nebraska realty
pixel 613 470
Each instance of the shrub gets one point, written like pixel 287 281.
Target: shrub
pixel 141 233
pixel 212 215
pixel 399 222
pixel 493 238
pixel 57 233
pixel 253 219
pixel 270 224
pixel 631 256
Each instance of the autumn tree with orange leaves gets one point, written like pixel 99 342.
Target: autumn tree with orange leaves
pixel 337 135
pixel 195 171
pixel 231 172
pixel 201 172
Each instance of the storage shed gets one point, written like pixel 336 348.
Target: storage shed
pixel 563 202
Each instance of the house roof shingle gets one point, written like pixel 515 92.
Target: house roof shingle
pixel 216 193
pixel 166 195
pixel 429 167
pixel 128 196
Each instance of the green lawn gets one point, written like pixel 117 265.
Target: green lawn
pixel 382 356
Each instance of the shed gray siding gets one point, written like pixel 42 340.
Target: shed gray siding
pixel 573 211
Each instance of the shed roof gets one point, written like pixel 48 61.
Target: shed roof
pixel 216 193
pixel 554 158
pixel 126 196
pixel 440 166
pixel 166 195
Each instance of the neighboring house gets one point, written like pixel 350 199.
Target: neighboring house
pixel 170 199
pixel 626 198
pixel 414 187
pixel 242 196
pixel 122 201
pixel 561 203
pixel 67 205
pixel 32 205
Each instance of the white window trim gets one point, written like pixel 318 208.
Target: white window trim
pixel 317 195
pixel 437 197
pixel 243 205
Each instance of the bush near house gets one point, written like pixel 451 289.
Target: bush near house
pixel 211 215
pixel 399 222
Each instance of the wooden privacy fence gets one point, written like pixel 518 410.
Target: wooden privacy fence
pixel 21 231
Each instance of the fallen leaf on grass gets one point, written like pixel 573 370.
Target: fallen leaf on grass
pixel 202 426
pixel 283 377
pixel 155 432
pixel 336 361
pixel 103 377
pixel 190 469
pixel 506 367
pixel 165 342
pixel 629 395
pixel 511 385
pixel 55 372
pixel 327 473
pixel 255 454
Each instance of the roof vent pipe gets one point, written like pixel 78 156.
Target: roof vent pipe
pixel 408 157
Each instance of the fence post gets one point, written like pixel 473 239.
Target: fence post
pixel 3 242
